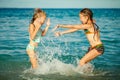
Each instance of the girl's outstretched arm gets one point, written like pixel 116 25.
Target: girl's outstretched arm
pixel 46 29
pixel 65 32
pixel 79 26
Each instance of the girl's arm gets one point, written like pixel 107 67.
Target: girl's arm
pixel 66 32
pixel 45 31
pixel 47 27
pixel 80 26
pixel 33 31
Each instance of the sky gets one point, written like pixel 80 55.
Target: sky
pixel 59 3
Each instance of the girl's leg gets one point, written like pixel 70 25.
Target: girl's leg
pixel 89 56
pixel 33 58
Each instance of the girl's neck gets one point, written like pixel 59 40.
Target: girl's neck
pixel 90 22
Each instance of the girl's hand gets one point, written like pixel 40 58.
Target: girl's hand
pixel 57 34
pixel 48 22
pixel 57 26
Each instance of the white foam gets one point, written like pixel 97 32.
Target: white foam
pixel 85 69
pixel 57 66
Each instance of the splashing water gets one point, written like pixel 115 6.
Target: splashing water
pixel 56 66
pixel 49 63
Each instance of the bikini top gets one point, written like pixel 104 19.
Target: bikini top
pixel 88 32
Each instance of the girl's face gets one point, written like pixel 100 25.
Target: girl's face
pixel 41 20
pixel 83 18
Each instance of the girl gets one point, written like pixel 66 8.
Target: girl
pixel 91 31
pixel 35 33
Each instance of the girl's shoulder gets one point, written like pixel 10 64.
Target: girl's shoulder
pixel 31 25
pixel 87 26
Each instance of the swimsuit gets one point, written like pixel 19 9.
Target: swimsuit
pixel 95 28
pixel 30 47
pixel 99 48
pixel 36 40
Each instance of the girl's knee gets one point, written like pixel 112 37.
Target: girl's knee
pixel 82 62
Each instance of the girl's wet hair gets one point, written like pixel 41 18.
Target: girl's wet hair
pixel 37 14
pixel 87 12
pixel 37 10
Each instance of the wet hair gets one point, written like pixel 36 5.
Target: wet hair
pixel 37 14
pixel 89 13
pixel 37 10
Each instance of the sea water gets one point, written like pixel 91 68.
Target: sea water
pixel 58 56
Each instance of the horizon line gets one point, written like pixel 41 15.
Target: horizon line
pixel 62 8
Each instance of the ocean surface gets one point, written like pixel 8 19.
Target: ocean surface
pixel 58 56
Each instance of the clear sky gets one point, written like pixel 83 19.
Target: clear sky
pixel 59 3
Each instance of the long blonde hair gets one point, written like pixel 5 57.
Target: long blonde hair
pixel 37 14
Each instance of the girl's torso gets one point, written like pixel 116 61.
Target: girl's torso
pixel 93 36
pixel 37 38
